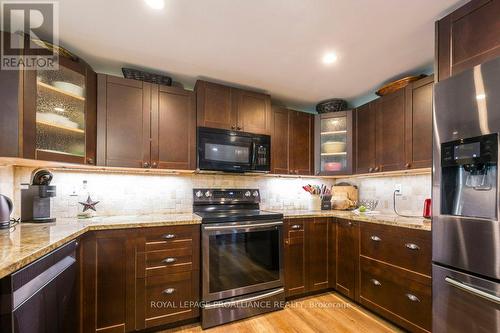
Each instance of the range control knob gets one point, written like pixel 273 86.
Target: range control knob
pixel 208 194
pixel 247 194
pixel 255 194
pixel 198 194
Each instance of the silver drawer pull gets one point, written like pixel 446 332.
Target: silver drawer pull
pixel 168 236
pixel 413 298
pixel 169 291
pixel 296 226
pixel 376 282
pixel 375 238
pixel 412 246
pixel 169 260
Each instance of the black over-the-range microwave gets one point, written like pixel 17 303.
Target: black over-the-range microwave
pixel 231 151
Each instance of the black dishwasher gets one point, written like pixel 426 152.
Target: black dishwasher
pixel 41 297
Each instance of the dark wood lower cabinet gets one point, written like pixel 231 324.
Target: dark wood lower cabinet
pixel 307 255
pixel 295 257
pixel 127 283
pixel 397 294
pixel 347 264
pixel 317 241
pixel 107 283
pixel 385 268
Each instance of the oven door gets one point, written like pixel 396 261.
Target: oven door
pixel 241 258
pixel 221 150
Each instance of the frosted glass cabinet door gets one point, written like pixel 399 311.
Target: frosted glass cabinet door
pixel 334 143
pixel 58 103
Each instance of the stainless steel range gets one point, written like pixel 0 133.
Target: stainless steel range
pixel 465 225
pixel 242 264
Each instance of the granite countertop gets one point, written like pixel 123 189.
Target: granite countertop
pixel 26 242
pixel 405 222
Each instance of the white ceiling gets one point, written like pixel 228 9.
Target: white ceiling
pixel 273 45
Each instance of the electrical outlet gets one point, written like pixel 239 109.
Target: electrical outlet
pixel 399 189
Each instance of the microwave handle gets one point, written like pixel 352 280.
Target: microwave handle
pixel 254 155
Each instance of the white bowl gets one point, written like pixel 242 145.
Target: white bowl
pixel 69 88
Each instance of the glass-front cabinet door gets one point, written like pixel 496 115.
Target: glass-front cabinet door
pixel 334 143
pixel 64 117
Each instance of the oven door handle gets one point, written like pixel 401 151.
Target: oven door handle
pixel 472 290
pixel 240 301
pixel 244 226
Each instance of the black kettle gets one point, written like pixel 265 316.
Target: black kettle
pixel 6 208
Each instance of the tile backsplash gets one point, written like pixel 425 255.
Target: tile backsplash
pixel 130 194
pixel 415 189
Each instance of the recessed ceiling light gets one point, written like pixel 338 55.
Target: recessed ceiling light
pixel 329 58
pixel 480 96
pixel 155 4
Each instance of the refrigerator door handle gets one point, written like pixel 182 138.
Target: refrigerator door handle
pixel 472 290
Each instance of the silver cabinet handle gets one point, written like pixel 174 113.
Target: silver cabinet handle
pixel 413 298
pixel 472 290
pixel 296 226
pixel 169 260
pixel 412 246
pixel 168 236
pixel 376 282
pixel 169 291
pixel 375 238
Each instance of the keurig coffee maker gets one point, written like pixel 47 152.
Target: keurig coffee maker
pixel 35 200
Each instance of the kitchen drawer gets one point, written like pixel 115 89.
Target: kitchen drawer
pixel 164 262
pixel 294 228
pixel 404 247
pixel 399 295
pixel 167 298
pixel 170 237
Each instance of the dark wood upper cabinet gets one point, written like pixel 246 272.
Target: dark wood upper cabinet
pixel 347 257
pixel 418 127
pixel 467 37
pixel 334 142
pixel 301 139
pixel 365 138
pixel 318 254
pixel 124 114
pixel 144 125
pixel 279 141
pixel 173 128
pixel 214 105
pixel 220 106
pixel 390 132
pixel 49 114
pixel 59 113
pixel 253 111
pixel 292 142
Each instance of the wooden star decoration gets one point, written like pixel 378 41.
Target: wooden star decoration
pixel 89 204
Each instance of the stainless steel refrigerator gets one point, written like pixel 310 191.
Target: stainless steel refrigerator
pixel 465 225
